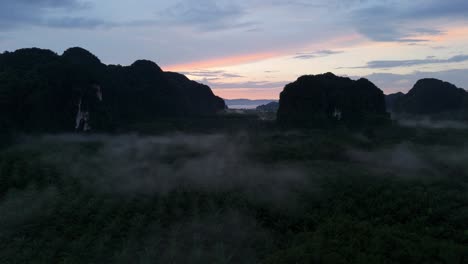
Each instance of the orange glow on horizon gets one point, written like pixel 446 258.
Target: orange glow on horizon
pixel 350 41
pixel 249 93
pixel 254 57
pixel 224 61
pixel 450 34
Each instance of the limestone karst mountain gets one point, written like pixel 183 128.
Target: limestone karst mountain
pixel 43 91
pixel 316 100
pixel 432 97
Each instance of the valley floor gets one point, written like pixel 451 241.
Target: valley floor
pixel 253 195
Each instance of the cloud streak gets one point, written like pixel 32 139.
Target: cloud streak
pixel 224 61
pixel 212 75
pixel 316 54
pixel 386 64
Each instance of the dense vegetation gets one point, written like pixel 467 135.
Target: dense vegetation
pixel 250 193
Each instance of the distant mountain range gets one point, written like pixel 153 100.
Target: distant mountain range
pixel 41 91
pixel 246 103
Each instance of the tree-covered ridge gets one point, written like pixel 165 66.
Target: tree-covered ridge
pixel 324 99
pixel 432 96
pixel 43 91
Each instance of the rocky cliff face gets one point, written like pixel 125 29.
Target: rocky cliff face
pixel 316 100
pixel 43 91
pixel 432 97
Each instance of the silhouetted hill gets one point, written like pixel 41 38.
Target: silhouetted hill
pixel 316 100
pixel 140 93
pixel 42 91
pixel 432 96
pixel 24 59
pixel 270 107
pixel 197 97
pixel 392 99
pixel 80 56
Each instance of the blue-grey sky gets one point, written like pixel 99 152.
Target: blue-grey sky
pixel 251 48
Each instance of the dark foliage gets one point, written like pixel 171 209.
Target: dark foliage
pixel 432 96
pixel 326 99
pixel 60 203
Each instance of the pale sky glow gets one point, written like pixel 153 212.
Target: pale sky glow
pixel 252 48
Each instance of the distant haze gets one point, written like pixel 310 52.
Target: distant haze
pixel 246 103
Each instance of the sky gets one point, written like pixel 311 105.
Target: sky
pixel 252 48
